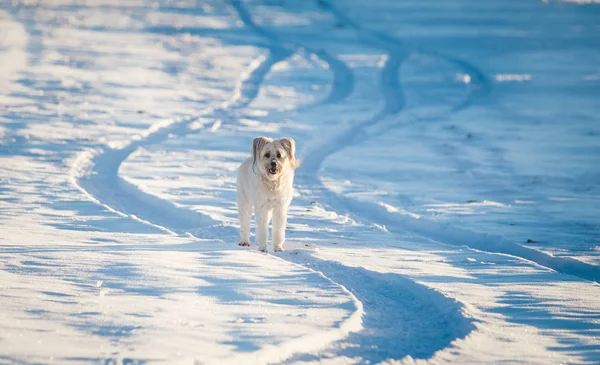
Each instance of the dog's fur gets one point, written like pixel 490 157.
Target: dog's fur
pixel 265 182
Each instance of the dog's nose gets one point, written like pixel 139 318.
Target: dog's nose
pixel 273 164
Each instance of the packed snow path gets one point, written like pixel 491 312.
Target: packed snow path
pixel 124 125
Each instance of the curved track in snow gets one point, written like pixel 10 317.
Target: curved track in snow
pixel 101 180
pixel 105 184
pixel 479 87
pixel 392 93
pixel 478 81
pixel 343 79
pixel 99 177
pixel 429 321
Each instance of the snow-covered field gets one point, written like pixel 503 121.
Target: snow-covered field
pixel 447 209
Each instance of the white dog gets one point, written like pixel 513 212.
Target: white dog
pixel 265 182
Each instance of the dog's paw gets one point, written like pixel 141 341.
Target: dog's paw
pixel 244 244
pixel 278 249
pixel 262 249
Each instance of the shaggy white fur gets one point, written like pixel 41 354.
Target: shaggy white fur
pixel 265 183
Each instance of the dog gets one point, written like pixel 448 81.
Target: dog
pixel 265 182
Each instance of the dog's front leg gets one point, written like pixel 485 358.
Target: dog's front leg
pixel 279 223
pixel 245 214
pixel 263 216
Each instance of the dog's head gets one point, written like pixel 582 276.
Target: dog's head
pixel 273 158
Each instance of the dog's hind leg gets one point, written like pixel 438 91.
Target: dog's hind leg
pixel 263 216
pixel 245 214
pixel 279 223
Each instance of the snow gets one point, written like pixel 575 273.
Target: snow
pixel 446 209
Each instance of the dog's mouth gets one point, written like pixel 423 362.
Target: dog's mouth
pixel 272 170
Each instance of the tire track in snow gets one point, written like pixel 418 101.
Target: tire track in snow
pixel 390 88
pixel 444 233
pixel 247 91
pixel 403 317
pixel 400 223
pixel 343 78
pixel 103 179
pixel 391 91
pixel 394 102
pixel 379 323
pixel 478 81
pixel 309 343
pixel 104 184
pixel 98 177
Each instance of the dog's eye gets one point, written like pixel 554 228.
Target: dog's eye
pixel 278 155
pixel 267 155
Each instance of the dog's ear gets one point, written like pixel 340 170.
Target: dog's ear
pixel 258 144
pixel 290 148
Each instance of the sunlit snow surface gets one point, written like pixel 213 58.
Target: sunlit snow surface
pixel 446 210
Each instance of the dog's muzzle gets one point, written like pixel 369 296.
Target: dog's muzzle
pixel 273 168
